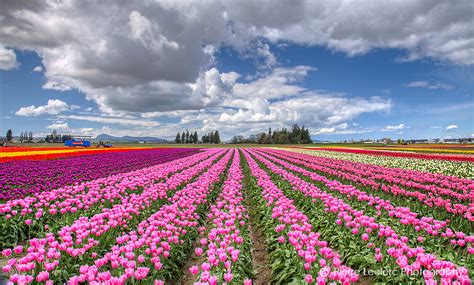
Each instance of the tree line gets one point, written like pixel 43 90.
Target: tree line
pixel 192 138
pixel 297 135
pixel 24 136
pixel 54 137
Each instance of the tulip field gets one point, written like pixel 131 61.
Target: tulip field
pixel 236 216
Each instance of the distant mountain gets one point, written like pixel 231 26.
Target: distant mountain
pixel 319 141
pixel 105 137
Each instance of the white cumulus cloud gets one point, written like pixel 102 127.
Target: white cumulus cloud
pixel 143 56
pixel 156 58
pixel 58 126
pixel 53 107
pixel 7 58
pixel 452 127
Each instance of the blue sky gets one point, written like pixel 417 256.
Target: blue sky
pixel 137 77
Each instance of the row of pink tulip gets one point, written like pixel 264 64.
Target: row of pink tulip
pixel 71 199
pixel 91 234
pixel 461 190
pixel 357 222
pixel 84 229
pixel 320 261
pixel 429 225
pixel 157 238
pixel 406 177
pixel 48 211
pixel 224 243
pixel 349 172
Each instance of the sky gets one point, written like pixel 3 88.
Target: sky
pixel 344 69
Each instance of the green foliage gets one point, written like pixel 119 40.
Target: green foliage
pixel 297 135
pixel 9 135
pixel 287 266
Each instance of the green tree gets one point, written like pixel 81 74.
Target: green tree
pixel 295 135
pixel 178 138
pixel 195 137
pixel 305 136
pixel 187 136
pixel 9 135
pixel 217 137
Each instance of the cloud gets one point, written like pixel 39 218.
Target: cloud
pixel 58 126
pixel 333 129
pixel 260 53
pixel 341 129
pixel 394 128
pixel 157 58
pixel 452 127
pixel 280 83
pixel 7 58
pixel 430 85
pixel 120 121
pixel 53 107
pixel 38 68
pixel 277 100
pixel 438 29
pixel 263 50
pixel 386 91
pixel 56 86
pixel 147 56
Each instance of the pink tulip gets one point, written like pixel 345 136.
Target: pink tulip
pixel 198 251
pixel 228 277
pixel 18 249
pixel 7 252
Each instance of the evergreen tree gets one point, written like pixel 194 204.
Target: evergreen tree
pixel 178 138
pixel 30 137
pixel 54 136
pixel 21 137
pixel 305 136
pixel 183 136
pixel 295 135
pixel 9 135
pixel 276 137
pixel 187 137
pixel 211 137
pixel 195 137
pixel 217 138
